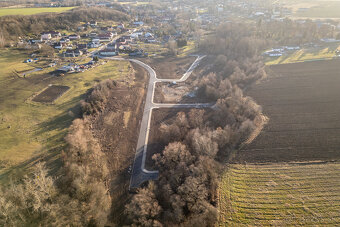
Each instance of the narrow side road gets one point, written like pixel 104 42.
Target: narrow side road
pixel 139 173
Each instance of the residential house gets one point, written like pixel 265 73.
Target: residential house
pixel 73 53
pixel 74 37
pixel 111 46
pixel 64 40
pixel 105 37
pixel 34 41
pixel 120 26
pixel 121 41
pixel 136 34
pixel 93 23
pixel 55 34
pixel 96 40
pixel 108 52
pixel 46 36
pixel 93 34
pixel 148 34
pixel 93 45
pixel 150 39
pixel 127 38
pixel 58 45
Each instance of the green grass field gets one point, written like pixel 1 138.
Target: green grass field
pixel 320 9
pixel 280 195
pixel 29 130
pixel 310 54
pixel 31 11
pixel 313 8
pixel 187 50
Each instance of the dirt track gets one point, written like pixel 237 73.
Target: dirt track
pixel 170 68
pixel 117 129
pixel 302 102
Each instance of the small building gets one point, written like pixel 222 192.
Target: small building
pixel 55 34
pixel 64 40
pixel 58 45
pixel 121 41
pixel 108 52
pixel 46 36
pixel 120 26
pixel 73 53
pixel 74 37
pixel 105 37
pixel 94 45
pixel 93 23
pixel 93 34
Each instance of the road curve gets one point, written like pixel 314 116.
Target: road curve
pixel 139 173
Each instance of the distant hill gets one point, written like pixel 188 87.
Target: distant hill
pixel 12 27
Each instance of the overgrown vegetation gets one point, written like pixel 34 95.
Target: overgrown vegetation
pixel 79 196
pixel 199 141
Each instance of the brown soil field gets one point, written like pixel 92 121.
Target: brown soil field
pixel 51 94
pixel 117 129
pixel 170 67
pixel 302 102
pixel 180 93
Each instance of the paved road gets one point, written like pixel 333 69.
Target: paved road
pixel 139 173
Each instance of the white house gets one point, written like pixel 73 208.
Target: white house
pixel 108 52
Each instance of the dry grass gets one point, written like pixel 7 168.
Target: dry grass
pixel 29 130
pixel 280 194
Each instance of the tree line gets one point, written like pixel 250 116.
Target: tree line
pixel 12 27
pixel 79 196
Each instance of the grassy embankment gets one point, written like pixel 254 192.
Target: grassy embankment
pixel 32 11
pixel 280 194
pixel 325 52
pixel 29 130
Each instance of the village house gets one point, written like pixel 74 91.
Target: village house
pixel 58 45
pixel 93 23
pixel 105 37
pixel 55 34
pixel 127 38
pixel 111 46
pixel 93 45
pixel 93 34
pixel 64 40
pixel 108 52
pixel 74 37
pixel 121 41
pixel 46 36
pixel 73 53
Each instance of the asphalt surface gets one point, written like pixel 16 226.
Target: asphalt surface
pixel 139 174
